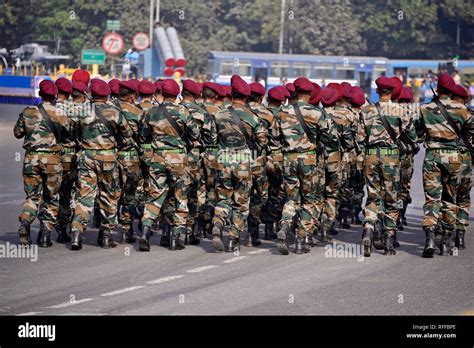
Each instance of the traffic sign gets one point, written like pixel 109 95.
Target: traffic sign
pixel 93 57
pixel 141 41
pixel 113 24
pixel 112 43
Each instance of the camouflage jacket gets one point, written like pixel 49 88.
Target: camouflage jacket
pixel 209 128
pixel 294 138
pixel 373 133
pixel 271 124
pixel 92 133
pixel 146 104
pixel 229 134
pixel 345 124
pixel 198 114
pixel 33 127
pixel 69 139
pixel 159 131
pixel 438 132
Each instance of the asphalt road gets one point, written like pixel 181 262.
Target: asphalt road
pixel 199 281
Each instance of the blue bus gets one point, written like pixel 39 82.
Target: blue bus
pixel 275 69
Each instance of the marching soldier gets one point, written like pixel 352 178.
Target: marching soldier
pixel 101 128
pixel 305 129
pixel 383 128
pixel 41 127
pixel 448 129
pixel 239 132
pixel 171 129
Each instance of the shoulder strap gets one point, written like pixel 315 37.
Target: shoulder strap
pixel 241 126
pixel 451 122
pixel 172 122
pixel 385 123
pixel 303 124
pixel 49 123
pixel 104 121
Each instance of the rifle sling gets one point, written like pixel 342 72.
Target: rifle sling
pixel 451 122
pixel 242 128
pixel 175 125
pixel 107 124
pixel 385 124
pixel 303 124
pixel 49 123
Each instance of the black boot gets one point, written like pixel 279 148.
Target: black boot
pixel 325 235
pixel 190 238
pixel 253 234
pixel 396 244
pixel 44 238
pixel 107 241
pixel 24 233
pixel 269 233
pixel 332 230
pixel 63 236
pixel 200 233
pixel 217 241
pixel 377 238
pixel 144 241
pixel 165 235
pixel 429 250
pixel 307 244
pixel 100 237
pixel 299 245
pixel 311 240
pixel 447 244
pixel 367 236
pixel 459 240
pixel 76 240
pixel 176 243
pixel 233 244
pixel 403 217
pixel 388 244
pixel 128 235
pixel 344 215
pixel 399 222
pixel 281 242
pixel 355 216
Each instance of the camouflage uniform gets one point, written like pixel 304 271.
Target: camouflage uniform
pixel 303 187
pixel 234 169
pixel 382 168
pixel 443 165
pixel 98 172
pixel 357 176
pixel 42 167
pixel 463 198
pixel 168 168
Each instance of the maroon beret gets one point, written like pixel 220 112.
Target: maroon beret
pixel 345 89
pixel 216 88
pixel 460 91
pixel 64 85
pixel 130 85
pixel 335 86
pixel 114 86
pixel 170 87
pixel 48 87
pixel 316 95
pixel 284 91
pixel 330 96
pixel 191 86
pixel 200 84
pixel 357 96
pixel 81 76
pixel 276 93
pixel 446 81
pixel 223 90
pixel 79 86
pixel 158 85
pixel 385 82
pixel 135 83
pixel 99 88
pixel 257 88
pixel 290 87
pixel 227 90
pixel 239 86
pixel 398 88
pixel 146 87
pixel 406 95
pixel 302 84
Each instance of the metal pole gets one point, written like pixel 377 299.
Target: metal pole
pixel 157 18
pixel 150 33
pixel 282 26
pixel 290 41
pixel 458 33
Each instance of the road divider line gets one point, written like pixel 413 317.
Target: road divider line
pixel 235 259
pixel 165 279
pixel 70 303
pixel 201 269
pixel 259 251
pixel 29 313
pixel 122 291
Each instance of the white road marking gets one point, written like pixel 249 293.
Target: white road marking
pixel 70 303
pixel 259 251
pixel 165 279
pixel 29 313
pixel 122 291
pixel 201 269
pixel 234 259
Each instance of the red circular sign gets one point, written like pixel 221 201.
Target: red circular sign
pixel 141 41
pixel 112 43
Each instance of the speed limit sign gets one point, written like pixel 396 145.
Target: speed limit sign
pixel 141 41
pixel 112 43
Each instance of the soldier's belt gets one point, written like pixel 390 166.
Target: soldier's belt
pixel 309 152
pixel 445 150
pixel 43 152
pixel 111 151
pixel 147 146
pixel 128 152
pixel 171 150
pixel 382 151
pixel 69 149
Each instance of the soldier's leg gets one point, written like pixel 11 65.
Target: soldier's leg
pixel 258 197
pixel 224 191
pixel 463 200
pixel 345 192
pixel 211 168
pixel 33 186
pixel 274 205
pixel 391 180
pixel 193 196
pixel 332 191
pixel 179 175
pixel 65 197
pixel 129 199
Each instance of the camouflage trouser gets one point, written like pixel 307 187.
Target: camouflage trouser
pixel 42 174
pixel 97 176
pixel 382 174
pixel 272 210
pixel 441 176
pixel 197 191
pixel 318 192
pixel 464 193
pixel 300 181
pixel 406 173
pixel 130 174
pixel 345 189
pixel 168 169
pixel 210 177
pixel 333 181
pixel 357 182
pixel 69 162
pixel 259 190
pixel 233 189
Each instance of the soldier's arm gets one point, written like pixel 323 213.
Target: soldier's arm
pixel 192 127
pixel 261 134
pixel 361 132
pixel 19 129
pixel 328 134
pixel 123 127
pixel 143 130
pixel 408 128
pixel 209 129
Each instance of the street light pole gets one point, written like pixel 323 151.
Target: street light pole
pixel 282 26
pixel 150 33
